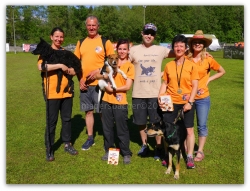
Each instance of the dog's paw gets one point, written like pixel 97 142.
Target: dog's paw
pixel 168 171
pixel 176 176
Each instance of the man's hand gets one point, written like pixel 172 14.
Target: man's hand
pixel 92 75
pixel 83 85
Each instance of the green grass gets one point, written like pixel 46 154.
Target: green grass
pixel 25 124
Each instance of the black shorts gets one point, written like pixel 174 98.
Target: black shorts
pixel 170 116
pixel 144 108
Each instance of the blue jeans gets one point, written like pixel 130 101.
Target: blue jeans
pixel 202 107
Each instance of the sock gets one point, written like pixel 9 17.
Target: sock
pixel 191 156
pixel 90 137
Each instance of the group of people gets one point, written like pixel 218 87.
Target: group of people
pixel 185 78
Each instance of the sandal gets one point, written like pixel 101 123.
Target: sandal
pixel 198 159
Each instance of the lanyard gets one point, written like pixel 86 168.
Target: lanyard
pixel 179 79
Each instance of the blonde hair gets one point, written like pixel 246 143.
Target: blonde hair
pixel 191 52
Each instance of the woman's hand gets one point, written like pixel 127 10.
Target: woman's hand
pixel 187 107
pixel 64 68
pixel 109 88
pixel 71 71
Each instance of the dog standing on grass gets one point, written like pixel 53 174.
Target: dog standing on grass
pixel 51 56
pixel 174 135
pixel 111 68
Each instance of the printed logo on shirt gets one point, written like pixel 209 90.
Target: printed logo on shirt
pixel 185 97
pixel 147 71
pixel 200 91
pixel 119 97
pixel 98 49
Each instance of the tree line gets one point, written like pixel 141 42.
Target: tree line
pixel 26 24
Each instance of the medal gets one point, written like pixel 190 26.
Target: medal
pixel 179 91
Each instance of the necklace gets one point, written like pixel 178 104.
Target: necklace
pixel 179 91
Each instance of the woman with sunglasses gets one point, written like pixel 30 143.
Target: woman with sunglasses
pixel 197 54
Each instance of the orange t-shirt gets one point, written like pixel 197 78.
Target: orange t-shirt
pixel 52 81
pixel 189 73
pixel 120 97
pixel 204 73
pixel 92 55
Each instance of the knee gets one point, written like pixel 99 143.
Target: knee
pixel 190 131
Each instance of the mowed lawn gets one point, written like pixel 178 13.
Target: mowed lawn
pixel 25 125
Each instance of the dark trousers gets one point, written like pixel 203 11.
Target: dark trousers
pixel 53 107
pixel 115 115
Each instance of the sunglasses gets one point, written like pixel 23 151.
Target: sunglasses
pixel 152 33
pixel 197 42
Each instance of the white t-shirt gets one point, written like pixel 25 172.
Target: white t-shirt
pixel 147 62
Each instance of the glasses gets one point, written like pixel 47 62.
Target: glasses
pixel 197 42
pixel 152 33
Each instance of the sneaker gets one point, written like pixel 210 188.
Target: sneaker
pixel 157 156
pixel 105 156
pixel 88 144
pixel 50 155
pixel 126 159
pixel 164 161
pixel 143 151
pixel 70 149
pixel 190 163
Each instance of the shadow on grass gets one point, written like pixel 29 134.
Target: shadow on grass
pixel 136 138
pixel 77 126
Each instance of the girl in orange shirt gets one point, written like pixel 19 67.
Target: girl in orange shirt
pixel 114 106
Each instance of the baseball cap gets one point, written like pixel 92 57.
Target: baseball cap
pixel 149 26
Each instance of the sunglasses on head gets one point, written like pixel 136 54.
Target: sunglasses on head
pixel 152 33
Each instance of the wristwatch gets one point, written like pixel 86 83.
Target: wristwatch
pixel 191 103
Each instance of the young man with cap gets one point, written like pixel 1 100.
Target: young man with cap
pixel 147 59
pixel 197 54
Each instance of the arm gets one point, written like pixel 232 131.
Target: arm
pixel 162 91
pixel 219 73
pixel 93 74
pixel 124 88
pixel 187 106
pixel 51 67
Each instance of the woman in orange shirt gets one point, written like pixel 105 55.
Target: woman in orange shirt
pixel 180 80
pixel 197 50
pixel 56 102
pixel 114 106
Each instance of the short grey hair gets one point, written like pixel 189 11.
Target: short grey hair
pixel 91 17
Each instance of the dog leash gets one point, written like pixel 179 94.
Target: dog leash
pixel 180 115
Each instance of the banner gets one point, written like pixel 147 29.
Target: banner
pixel 7 47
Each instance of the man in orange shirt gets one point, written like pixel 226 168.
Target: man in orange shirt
pixel 92 55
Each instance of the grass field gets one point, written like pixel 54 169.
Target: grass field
pixel 25 124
